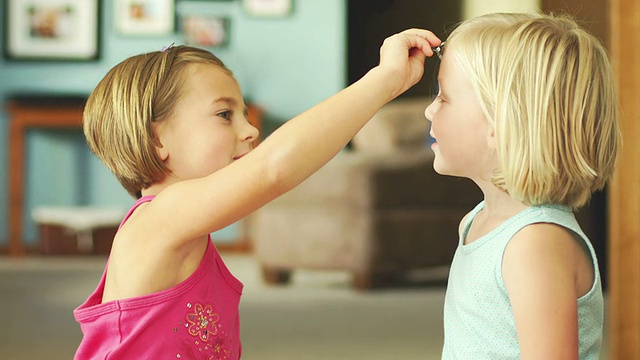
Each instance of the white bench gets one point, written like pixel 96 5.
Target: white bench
pixel 77 221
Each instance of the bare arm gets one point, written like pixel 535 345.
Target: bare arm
pixel 294 151
pixel 539 270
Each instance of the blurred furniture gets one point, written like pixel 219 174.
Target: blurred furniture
pixel 376 211
pixel 74 230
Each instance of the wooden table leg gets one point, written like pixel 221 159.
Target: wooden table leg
pixel 16 187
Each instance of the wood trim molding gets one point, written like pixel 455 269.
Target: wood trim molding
pixel 624 199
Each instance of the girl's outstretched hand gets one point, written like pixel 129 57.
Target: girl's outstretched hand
pixel 403 54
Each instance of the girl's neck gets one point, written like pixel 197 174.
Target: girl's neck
pixel 498 208
pixel 156 188
pixel 499 204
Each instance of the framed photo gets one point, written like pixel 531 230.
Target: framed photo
pixel 205 31
pixel 268 8
pixel 145 17
pixel 51 30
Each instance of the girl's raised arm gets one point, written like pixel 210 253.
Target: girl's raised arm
pixel 298 148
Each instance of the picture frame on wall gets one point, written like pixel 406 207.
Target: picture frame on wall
pixel 206 30
pixel 268 8
pixel 144 17
pixel 51 30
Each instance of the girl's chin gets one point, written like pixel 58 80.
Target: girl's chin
pixel 437 166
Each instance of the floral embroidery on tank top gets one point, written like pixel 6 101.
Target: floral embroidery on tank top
pixel 209 340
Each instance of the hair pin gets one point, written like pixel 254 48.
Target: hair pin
pixel 438 50
pixel 167 48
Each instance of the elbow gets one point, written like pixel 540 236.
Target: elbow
pixel 278 179
pixel 285 164
pixel 278 175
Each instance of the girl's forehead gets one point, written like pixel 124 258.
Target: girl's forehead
pixel 211 74
pixel 452 78
pixel 200 67
pixel 451 68
pixel 211 81
pixel 444 72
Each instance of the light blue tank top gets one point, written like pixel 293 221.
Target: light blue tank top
pixel 478 321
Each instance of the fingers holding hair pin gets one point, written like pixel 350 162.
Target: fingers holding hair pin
pixel 438 50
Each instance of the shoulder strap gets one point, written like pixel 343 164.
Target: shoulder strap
pixel 142 200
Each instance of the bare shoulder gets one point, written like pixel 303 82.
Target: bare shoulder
pixel 169 220
pixel 548 255
pixel 542 239
pixel 132 228
pixel 141 263
pixel 545 270
pixel 148 235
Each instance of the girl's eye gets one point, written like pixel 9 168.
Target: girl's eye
pixel 225 114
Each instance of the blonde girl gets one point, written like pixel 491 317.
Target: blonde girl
pixel 527 110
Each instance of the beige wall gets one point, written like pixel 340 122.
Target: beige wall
pixel 473 8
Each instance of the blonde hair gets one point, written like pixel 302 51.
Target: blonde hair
pixel 118 116
pixel 546 87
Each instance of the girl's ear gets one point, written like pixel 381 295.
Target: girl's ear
pixel 162 151
pixel 491 138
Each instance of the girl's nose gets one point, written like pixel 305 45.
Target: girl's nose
pixel 429 111
pixel 250 133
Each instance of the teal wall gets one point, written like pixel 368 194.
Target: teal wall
pixel 285 65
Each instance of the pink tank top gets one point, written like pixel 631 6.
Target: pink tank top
pixel 196 319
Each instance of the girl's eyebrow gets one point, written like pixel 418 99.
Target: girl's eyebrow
pixel 225 99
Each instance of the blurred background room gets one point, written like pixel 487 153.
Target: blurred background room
pixel 352 264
